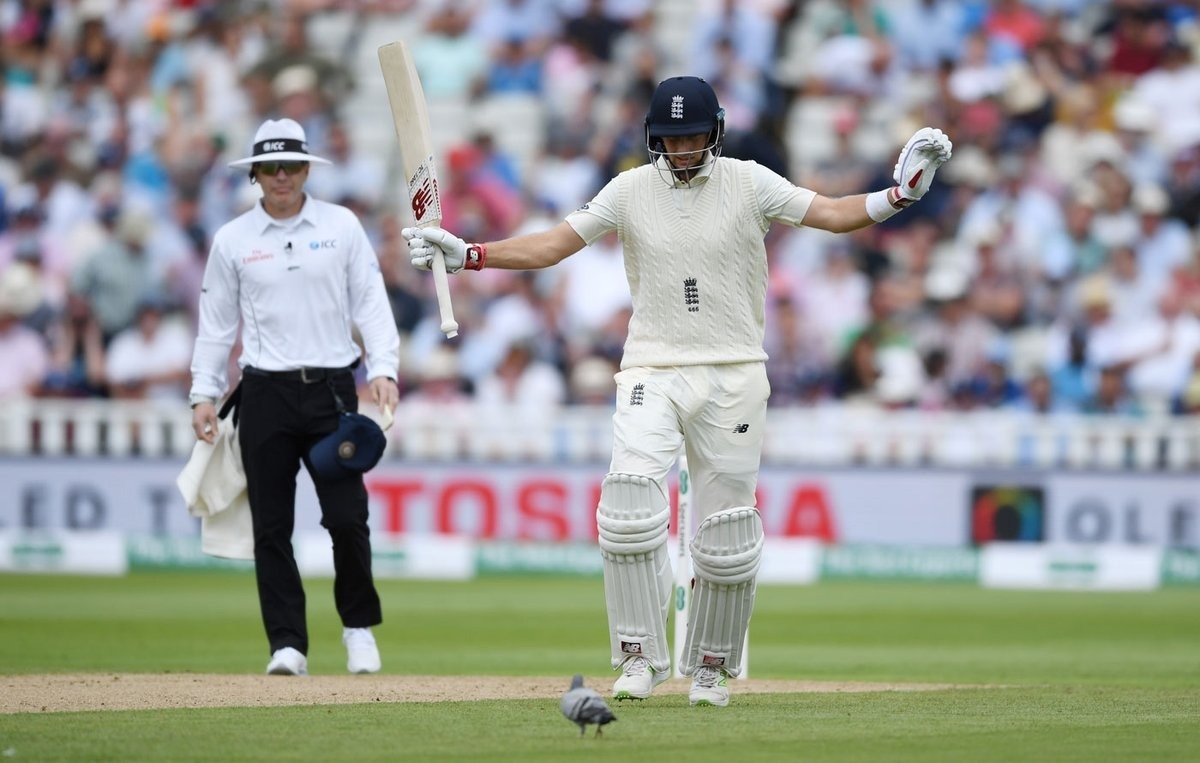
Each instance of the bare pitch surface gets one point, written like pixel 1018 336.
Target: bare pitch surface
pixel 69 692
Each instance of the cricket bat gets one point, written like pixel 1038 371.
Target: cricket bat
pixel 683 563
pixel 683 575
pixel 411 118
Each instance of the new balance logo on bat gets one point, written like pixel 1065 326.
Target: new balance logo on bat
pixel 741 429
pixel 638 396
pixel 691 295
pixel 422 200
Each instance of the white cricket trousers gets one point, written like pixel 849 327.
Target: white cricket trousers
pixel 717 411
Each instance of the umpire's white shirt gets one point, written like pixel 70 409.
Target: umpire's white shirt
pixel 298 286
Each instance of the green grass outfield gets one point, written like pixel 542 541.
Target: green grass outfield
pixel 1049 676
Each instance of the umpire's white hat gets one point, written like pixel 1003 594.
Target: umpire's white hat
pixel 279 140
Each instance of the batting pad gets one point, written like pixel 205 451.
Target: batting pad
pixel 726 553
pixel 632 519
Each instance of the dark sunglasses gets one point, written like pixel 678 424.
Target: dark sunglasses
pixel 273 168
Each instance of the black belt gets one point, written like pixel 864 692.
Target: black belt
pixel 308 375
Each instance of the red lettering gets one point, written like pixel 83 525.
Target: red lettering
pixel 394 496
pixel 484 498
pixel 543 503
pixel 593 502
pixel 808 515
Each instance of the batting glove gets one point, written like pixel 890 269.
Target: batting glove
pixel 920 158
pixel 457 254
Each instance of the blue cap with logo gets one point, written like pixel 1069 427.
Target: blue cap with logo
pixel 683 106
pixel 353 448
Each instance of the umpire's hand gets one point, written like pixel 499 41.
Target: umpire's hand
pixel 204 422
pixel 384 393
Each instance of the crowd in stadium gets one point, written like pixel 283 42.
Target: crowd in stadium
pixel 1053 266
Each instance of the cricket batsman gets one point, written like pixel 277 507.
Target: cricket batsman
pixel 692 224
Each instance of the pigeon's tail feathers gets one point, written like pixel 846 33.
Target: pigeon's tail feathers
pixel 593 709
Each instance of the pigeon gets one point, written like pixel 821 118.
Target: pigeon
pixel 583 706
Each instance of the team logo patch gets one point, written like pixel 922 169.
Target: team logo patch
pixel 691 295
pixel 631 647
pixel 677 107
pixel 638 395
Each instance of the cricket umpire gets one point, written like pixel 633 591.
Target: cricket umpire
pixel 299 275
pixel 692 224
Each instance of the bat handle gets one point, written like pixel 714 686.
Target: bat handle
pixel 442 286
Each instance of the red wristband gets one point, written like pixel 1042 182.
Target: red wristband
pixel 476 256
pixel 896 200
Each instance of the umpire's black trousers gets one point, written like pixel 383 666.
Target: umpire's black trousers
pixel 280 417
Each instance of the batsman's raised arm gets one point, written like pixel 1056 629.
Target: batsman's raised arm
pixel 528 252
pixel 919 160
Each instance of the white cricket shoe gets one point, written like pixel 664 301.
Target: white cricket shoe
pixel 287 662
pixel 362 654
pixel 709 687
pixel 637 679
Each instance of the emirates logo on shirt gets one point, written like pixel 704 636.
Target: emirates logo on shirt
pixel 257 255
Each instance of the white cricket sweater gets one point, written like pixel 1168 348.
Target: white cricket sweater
pixel 694 257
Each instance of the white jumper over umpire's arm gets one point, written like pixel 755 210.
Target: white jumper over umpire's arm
pixel 298 274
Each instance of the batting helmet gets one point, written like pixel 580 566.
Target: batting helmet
pixel 684 106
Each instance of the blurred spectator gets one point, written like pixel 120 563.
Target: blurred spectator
pixel 354 174
pixel 1172 91
pixel 438 381
pixel 996 291
pixel 833 301
pixel 521 381
pixel 1135 293
pixel 150 360
pixel 954 326
pixel 857 371
pixel 292 50
pixel 935 394
pixel 1164 243
pixel 1030 215
pixel 1013 21
pixel 926 32
pixel 596 29
pixel 532 22
pixel 475 201
pixel 298 96
pixel 1111 396
pixel 1071 380
pixel 516 316
pixel 516 69
pixel 494 160
pixel 901 377
pixel 591 289
pixel 1037 395
pixel 1172 343
pixel 844 171
pixel 566 177
pixel 591 382
pixel 1075 251
pixel 77 353
pixel 793 359
pixel 25 356
pixel 116 276
pixel 1137 37
pixel 750 31
pixel 448 58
